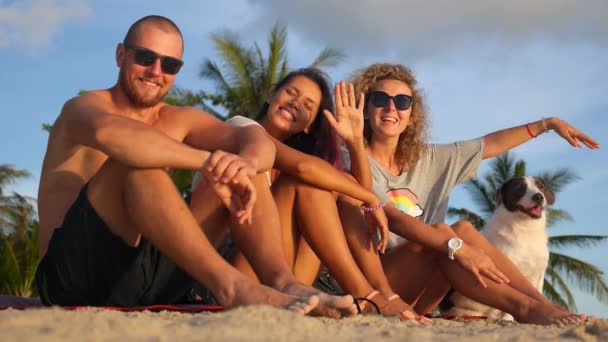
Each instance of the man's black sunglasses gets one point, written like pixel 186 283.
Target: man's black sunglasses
pixel 146 57
pixel 381 99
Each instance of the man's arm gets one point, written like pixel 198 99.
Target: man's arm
pixel 87 122
pixel 255 147
pixel 506 139
pixel 249 142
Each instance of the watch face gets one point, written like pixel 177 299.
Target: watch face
pixel 455 243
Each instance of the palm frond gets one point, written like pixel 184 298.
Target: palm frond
pixel 481 196
pixel 265 81
pixel 9 268
pixel 238 60
pixel 560 288
pixel 557 180
pixel 555 216
pixel 276 53
pixel 581 241
pixel 551 293
pixel 585 276
pixel 210 70
pixel 329 57
pixel 9 175
pixel 503 168
pixel 465 214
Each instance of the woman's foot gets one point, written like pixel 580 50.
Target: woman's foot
pixel 328 305
pixel 548 314
pixel 390 306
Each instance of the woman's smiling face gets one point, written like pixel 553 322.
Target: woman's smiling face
pixel 294 106
pixel 388 121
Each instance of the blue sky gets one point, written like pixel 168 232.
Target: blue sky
pixel 484 65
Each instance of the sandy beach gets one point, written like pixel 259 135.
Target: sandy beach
pixel 261 323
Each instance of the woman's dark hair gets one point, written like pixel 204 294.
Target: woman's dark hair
pixel 321 140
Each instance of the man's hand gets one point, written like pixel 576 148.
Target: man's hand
pixel 571 133
pixel 238 196
pixel 377 221
pixel 228 174
pixel 224 167
pixel 477 262
pixel 348 122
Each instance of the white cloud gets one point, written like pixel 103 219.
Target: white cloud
pixel 32 24
pixel 423 28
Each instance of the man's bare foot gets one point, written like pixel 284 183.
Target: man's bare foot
pixel 247 292
pixel 328 306
pixel 392 306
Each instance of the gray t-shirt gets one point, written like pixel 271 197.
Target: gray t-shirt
pixel 423 191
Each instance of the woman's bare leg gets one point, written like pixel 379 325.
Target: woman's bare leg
pixel 470 235
pixel 436 290
pixel 261 254
pixel 308 264
pixel 524 308
pixel 367 258
pixel 320 224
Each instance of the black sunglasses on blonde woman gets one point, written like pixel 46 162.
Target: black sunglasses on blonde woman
pixel 381 99
pixel 146 57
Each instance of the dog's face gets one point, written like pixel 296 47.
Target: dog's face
pixel 528 195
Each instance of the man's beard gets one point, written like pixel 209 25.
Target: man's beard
pixel 136 99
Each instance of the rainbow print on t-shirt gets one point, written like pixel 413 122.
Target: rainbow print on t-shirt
pixel 406 201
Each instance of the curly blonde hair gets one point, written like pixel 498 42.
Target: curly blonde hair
pixel 412 141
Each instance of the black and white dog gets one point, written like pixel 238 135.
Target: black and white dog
pixel 518 230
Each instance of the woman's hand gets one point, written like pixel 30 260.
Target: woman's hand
pixel 348 122
pixel 571 134
pixel 377 222
pixel 479 263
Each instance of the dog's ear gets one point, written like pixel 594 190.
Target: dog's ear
pixel 549 194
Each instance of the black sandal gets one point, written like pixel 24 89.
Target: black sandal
pixel 360 310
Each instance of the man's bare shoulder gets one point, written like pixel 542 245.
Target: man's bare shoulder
pixel 89 97
pixel 83 102
pixel 186 111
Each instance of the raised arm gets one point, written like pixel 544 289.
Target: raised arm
pixel 88 122
pixel 506 139
pixel 348 123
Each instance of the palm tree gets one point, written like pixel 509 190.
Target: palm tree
pixel 562 269
pixel 244 76
pixel 18 237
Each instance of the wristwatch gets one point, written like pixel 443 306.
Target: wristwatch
pixel 454 244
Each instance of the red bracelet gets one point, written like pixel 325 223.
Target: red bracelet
pixel 530 131
pixel 372 209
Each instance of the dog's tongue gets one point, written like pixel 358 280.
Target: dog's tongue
pixel 536 211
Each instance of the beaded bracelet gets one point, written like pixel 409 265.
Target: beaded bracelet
pixel 372 209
